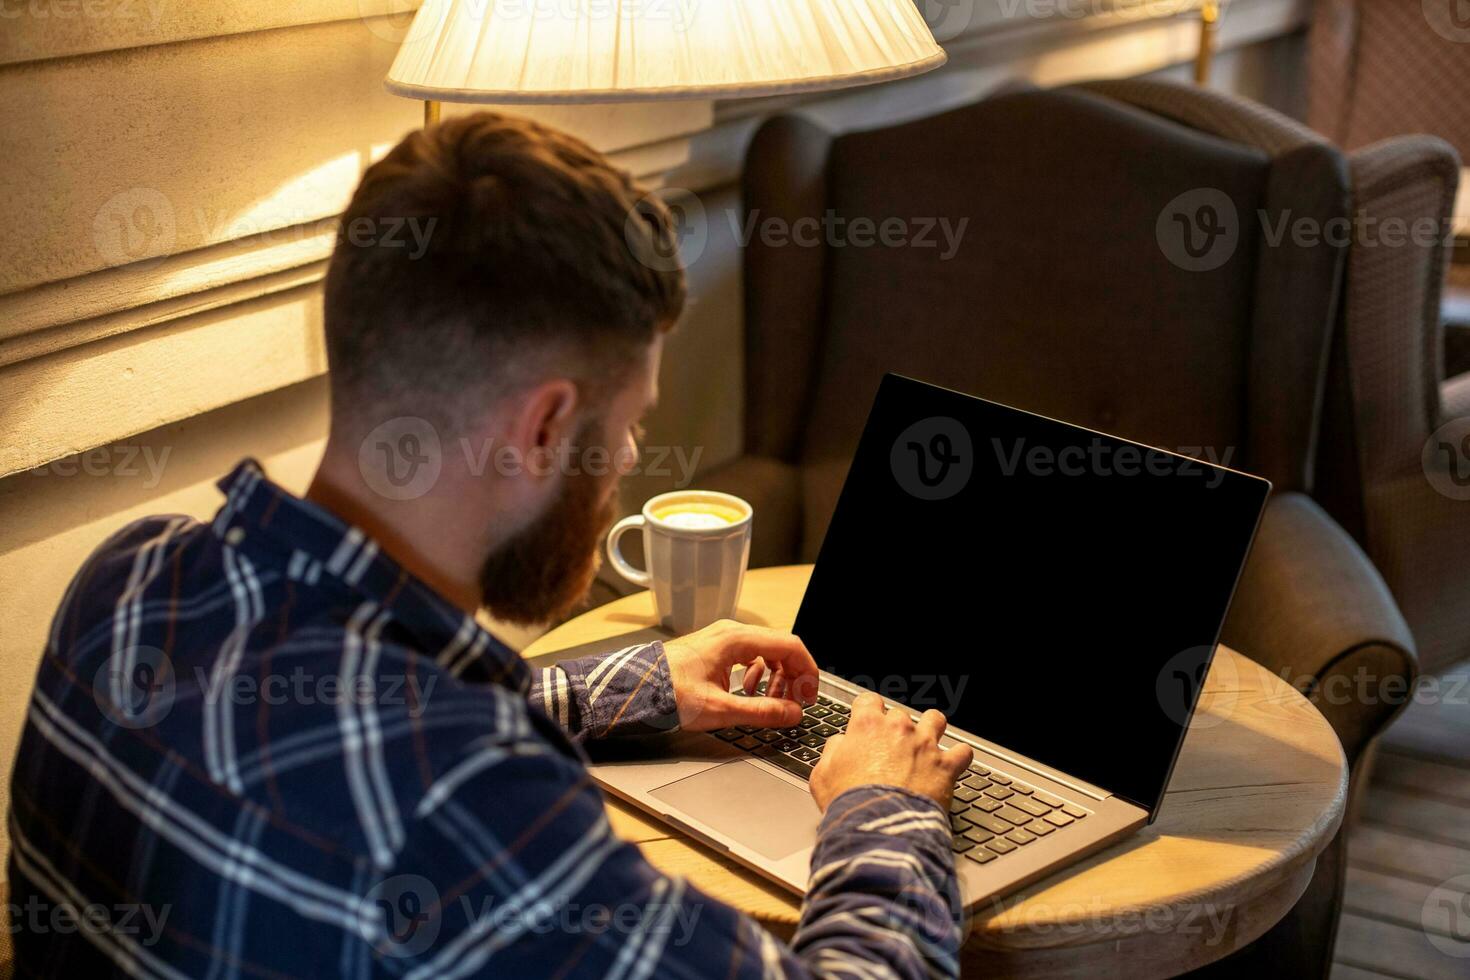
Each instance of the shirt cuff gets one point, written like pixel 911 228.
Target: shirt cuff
pixel 629 692
pixel 888 816
pixel 888 811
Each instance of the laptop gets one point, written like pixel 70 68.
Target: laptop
pixel 1057 592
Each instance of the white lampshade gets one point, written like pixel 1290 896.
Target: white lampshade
pixel 509 51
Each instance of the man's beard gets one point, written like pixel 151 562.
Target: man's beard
pixel 544 571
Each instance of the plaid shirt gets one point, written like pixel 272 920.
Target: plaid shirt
pixel 260 748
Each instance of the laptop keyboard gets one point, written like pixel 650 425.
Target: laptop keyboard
pixel 992 814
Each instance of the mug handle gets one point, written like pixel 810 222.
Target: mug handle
pixel 615 555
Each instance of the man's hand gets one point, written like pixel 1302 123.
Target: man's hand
pixel 700 665
pixel 887 747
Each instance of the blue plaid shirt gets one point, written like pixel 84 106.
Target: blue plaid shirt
pixel 260 748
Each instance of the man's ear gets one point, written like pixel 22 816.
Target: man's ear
pixel 545 415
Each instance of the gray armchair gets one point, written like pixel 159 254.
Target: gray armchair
pixel 1383 473
pixel 1401 364
pixel 1066 296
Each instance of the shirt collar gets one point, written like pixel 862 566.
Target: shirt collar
pixel 309 544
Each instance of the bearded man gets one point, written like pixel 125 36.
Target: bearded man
pixel 280 744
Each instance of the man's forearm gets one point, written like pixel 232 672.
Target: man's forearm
pixel 624 693
pixel 883 891
pixel 882 896
pixel 882 899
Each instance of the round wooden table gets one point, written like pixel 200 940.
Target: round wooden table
pixel 1258 792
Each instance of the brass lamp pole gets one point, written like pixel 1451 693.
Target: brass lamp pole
pixel 1209 26
pixel 432 111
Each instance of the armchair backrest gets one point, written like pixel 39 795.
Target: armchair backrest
pixel 1030 248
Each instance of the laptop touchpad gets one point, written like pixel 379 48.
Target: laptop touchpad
pixel 745 803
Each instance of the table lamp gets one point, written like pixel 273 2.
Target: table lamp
pixel 581 51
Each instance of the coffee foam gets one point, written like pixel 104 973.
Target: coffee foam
pixel 698 515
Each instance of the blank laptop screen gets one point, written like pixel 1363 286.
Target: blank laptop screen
pixel 1055 591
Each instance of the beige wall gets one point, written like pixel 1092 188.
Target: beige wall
pixel 170 183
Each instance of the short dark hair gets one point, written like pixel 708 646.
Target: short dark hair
pixel 481 242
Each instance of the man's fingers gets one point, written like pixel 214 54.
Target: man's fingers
pixel 753 673
pixel 805 688
pixel 831 746
pixel 867 705
pixel 777 649
pixel 779 682
pixel 957 758
pixel 764 712
pixel 932 724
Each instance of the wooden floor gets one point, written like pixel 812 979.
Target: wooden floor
pixel 1407 910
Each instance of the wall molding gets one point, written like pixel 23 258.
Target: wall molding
pixel 53 406
pixel 129 287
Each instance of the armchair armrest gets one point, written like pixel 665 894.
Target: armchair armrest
pixel 1312 608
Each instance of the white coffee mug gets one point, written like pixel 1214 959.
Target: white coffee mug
pixel 696 544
